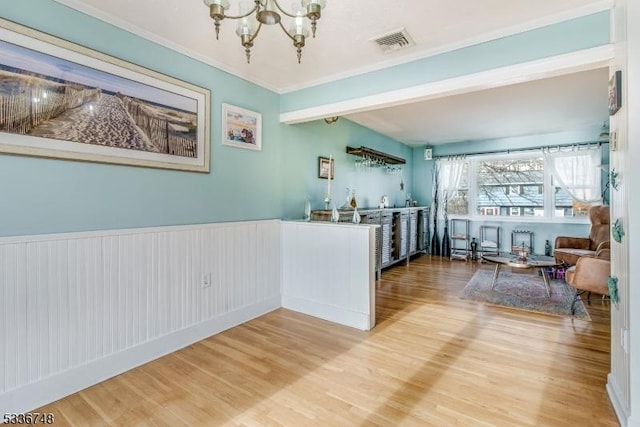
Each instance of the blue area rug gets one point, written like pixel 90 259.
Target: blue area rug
pixel 523 291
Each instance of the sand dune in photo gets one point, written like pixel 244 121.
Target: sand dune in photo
pixel 104 122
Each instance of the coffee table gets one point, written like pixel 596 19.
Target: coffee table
pixel 535 261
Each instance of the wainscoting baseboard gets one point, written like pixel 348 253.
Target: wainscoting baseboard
pixel 613 390
pixel 52 388
pixel 78 308
pixel 328 312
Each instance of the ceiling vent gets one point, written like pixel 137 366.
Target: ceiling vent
pixel 394 40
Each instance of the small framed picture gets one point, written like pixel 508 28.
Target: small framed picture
pixel 615 93
pixel 241 128
pixel 325 167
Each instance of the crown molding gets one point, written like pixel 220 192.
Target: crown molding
pixel 589 9
pixel 122 24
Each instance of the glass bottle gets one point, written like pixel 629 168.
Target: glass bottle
pixel 474 249
pixel 353 203
pixel 335 215
pixel 547 248
pixel 356 216
pixel 307 210
pixel 446 244
pixel 347 202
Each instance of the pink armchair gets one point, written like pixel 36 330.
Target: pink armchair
pixel 568 249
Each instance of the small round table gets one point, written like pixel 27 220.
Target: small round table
pixel 535 261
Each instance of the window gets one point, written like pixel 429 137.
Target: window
pixel 489 211
pixel 520 185
pixel 518 175
pixel 458 203
pixel 575 181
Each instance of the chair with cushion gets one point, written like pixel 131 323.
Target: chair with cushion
pixel 567 250
pixel 591 275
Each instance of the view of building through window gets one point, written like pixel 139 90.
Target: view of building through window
pixel 511 186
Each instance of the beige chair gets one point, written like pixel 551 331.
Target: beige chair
pixel 568 249
pixel 590 274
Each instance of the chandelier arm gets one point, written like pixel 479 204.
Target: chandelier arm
pixel 245 15
pixel 284 30
pixel 253 37
pixel 284 11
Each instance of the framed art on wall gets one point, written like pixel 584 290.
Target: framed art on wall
pixel 325 167
pixel 62 100
pixel 615 92
pixel 241 128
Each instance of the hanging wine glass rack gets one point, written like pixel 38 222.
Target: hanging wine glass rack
pixel 383 158
pixel 368 158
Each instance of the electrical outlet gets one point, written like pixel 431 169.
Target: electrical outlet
pixel 206 280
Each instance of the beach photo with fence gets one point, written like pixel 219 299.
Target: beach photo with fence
pixel 72 110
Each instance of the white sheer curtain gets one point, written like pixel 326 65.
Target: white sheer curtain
pixel 450 173
pixel 576 171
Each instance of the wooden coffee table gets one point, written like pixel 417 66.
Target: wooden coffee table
pixel 535 261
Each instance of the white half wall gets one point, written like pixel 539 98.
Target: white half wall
pixel 328 271
pixel 76 309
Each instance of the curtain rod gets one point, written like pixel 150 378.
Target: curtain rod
pixel 540 147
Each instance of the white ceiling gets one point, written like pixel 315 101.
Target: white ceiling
pixel 343 47
pixel 564 103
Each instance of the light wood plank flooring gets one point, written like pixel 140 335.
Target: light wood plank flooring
pixel 432 360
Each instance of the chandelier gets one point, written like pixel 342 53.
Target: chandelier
pixel 268 12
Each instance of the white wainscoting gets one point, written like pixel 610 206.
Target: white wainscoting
pixel 329 271
pixel 78 308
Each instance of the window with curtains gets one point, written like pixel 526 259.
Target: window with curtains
pixel 458 194
pixel 545 184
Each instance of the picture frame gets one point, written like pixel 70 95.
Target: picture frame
pixel 66 101
pixel 241 127
pixel 615 92
pixel 325 167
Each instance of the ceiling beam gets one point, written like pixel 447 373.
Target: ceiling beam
pixel 574 62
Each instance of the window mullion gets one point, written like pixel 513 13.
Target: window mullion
pixel 473 187
pixel 549 191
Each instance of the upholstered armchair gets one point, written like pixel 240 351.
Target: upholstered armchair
pixel 590 274
pixel 568 249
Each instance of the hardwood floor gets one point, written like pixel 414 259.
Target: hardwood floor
pixel 432 360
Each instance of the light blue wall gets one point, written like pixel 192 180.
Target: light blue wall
pixel 569 36
pixel 307 141
pixel 44 196
pixel 49 196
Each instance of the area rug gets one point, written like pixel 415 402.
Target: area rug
pixel 523 291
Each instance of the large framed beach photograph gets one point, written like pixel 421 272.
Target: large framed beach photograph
pixel 62 100
pixel 241 128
